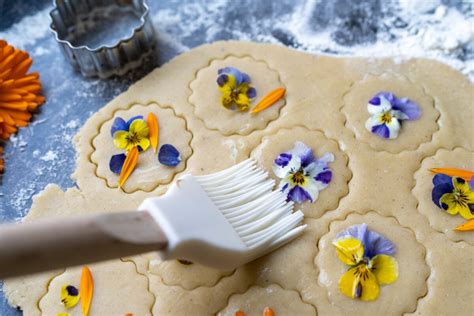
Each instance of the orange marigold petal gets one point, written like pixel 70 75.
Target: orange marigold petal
pixel 154 130
pixel 453 172
pixel 128 166
pixel 268 312
pixel 10 97
pixel 467 226
pixel 86 289
pixel 269 100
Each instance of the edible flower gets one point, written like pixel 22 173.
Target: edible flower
pixel 467 226
pixel 453 172
pixel 20 91
pixel 266 312
pixel 269 100
pixel 116 163
pixel 86 289
pixel 369 256
pixel 154 127
pixel 69 296
pixel 454 195
pixel 235 88
pixel 387 112
pixel 133 133
pixel 302 174
pixel 128 166
pixel 169 155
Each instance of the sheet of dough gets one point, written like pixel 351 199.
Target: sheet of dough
pixel 376 182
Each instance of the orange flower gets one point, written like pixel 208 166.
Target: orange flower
pixel 19 91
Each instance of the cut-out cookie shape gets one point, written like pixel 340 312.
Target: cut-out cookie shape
pixel 149 172
pixel 185 274
pixel 397 298
pixel 254 301
pixel 118 290
pixel 328 199
pixel 411 134
pixel 438 218
pixel 206 97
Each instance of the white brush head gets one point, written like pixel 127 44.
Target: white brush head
pixel 225 219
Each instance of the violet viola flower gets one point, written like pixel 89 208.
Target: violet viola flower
pixel 302 174
pixel 237 92
pixel 387 112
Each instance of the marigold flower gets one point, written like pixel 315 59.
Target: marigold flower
pixel 19 91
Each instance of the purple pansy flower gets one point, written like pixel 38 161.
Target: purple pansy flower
pixel 302 174
pixel 374 243
pixel 454 195
pixel 442 184
pixel 387 112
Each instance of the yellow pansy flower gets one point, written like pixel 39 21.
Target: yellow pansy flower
pixel 135 136
pixel 369 266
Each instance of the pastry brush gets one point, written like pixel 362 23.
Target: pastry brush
pixel 222 220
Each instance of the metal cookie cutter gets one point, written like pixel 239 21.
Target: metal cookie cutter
pixel 103 37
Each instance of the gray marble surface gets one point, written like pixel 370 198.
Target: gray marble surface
pixel 43 153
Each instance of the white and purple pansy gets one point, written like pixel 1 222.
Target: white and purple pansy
pixel 387 112
pixel 302 174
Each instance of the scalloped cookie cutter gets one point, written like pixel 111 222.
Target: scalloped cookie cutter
pixel 96 46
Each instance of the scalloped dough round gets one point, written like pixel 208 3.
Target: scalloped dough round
pixel 188 276
pixel 118 290
pixel 149 173
pixel 206 97
pixel 328 199
pixel 412 267
pixel 256 299
pixel 438 218
pixel 412 133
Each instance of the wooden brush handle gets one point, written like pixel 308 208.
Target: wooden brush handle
pixel 58 243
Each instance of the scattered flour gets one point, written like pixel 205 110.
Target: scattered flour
pixel 432 30
pixel 28 30
pixel 439 34
pixel 50 156
pixel 73 124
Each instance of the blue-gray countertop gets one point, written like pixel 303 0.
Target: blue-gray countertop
pixel 43 153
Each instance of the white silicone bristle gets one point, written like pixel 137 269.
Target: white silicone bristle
pixel 261 216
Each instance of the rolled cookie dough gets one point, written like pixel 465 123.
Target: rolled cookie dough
pixel 371 178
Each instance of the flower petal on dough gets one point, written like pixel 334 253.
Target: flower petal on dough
pixel 118 124
pixel 393 128
pixel 385 269
pixel 116 163
pixel 169 155
pixel 408 107
pixel 304 152
pixel 349 250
